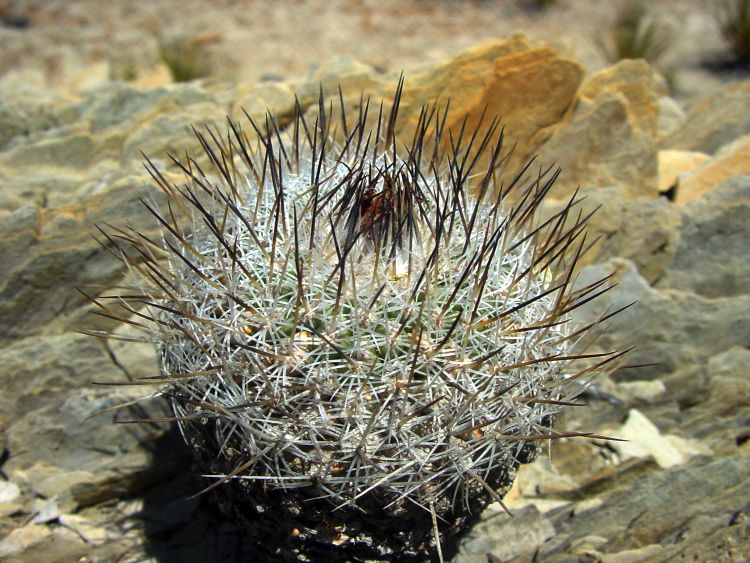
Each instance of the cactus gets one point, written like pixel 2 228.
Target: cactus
pixel 361 341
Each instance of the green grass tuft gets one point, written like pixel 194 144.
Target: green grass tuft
pixel 186 58
pixel 734 20
pixel 635 35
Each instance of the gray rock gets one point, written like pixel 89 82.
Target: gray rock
pixel 78 458
pixel 714 399
pixel 505 538
pixel 712 256
pixel 665 508
pixel 116 104
pixel 48 254
pixel 171 133
pixel 25 117
pixel 671 116
pixel 672 328
pixel 600 147
pixel 645 231
pixel 713 121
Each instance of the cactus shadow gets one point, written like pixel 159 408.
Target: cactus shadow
pixel 179 527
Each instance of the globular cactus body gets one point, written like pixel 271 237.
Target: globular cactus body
pixel 361 341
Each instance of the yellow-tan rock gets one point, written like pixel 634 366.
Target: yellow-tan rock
pixel 529 88
pixel 610 138
pixel 732 160
pixel 674 163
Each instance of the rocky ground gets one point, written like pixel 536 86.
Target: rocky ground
pixel 672 175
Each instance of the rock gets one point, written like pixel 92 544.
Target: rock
pixel 609 139
pixel 728 385
pixel 731 160
pixel 590 542
pixel 683 328
pixel 671 116
pixel 714 121
pixel 586 505
pixel 21 539
pixel 258 99
pixel 633 555
pixel 638 83
pixel 675 163
pixel 135 359
pixel 530 88
pixel 48 480
pixel 47 254
pixel 9 492
pixel 540 478
pixel 644 439
pixel 37 542
pixel 98 137
pixel 77 459
pixel 714 397
pixel 117 104
pixel 670 508
pixel 157 76
pixel 46 511
pixel 645 231
pixel 505 538
pixel 91 76
pixel 23 117
pixel 352 76
pixel 647 391
pixel 711 257
pixel 91 534
pixel 170 132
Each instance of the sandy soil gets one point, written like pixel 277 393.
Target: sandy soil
pixel 265 39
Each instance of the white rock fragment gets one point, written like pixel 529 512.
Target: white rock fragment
pixel 642 390
pixel 89 532
pixel 644 439
pixel 9 492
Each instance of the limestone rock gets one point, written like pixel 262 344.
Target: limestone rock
pixel 683 328
pixel 529 88
pixel 646 231
pixel 169 132
pixel 352 76
pixel 505 538
pixel 677 509
pixel 731 160
pixel 674 163
pixel 609 139
pixel 671 116
pixel 711 258
pixel 638 83
pixel 9 492
pixel 713 121
pixel 91 534
pixel 97 137
pixel 647 391
pixel 21 539
pixel 24 117
pixel 77 457
pixel 259 99
pixel 643 438
pixel 728 384
pixel 49 253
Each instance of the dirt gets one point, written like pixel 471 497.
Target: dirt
pixel 56 41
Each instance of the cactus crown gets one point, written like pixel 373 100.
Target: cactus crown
pixel 372 323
